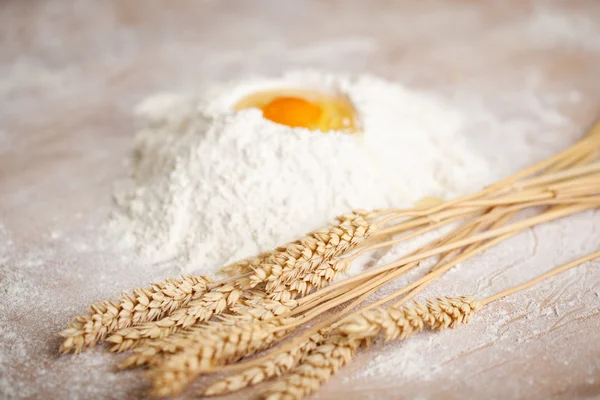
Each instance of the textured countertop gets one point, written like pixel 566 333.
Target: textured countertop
pixel 71 71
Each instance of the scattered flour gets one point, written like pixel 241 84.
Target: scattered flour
pixel 573 31
pixel 211 186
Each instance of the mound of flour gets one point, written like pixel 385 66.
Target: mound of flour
pixel 211 186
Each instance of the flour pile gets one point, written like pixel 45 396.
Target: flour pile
pixel 211 185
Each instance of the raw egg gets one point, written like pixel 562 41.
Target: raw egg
pixel 308 109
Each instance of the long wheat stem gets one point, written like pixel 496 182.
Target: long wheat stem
pixel 393 322
pixel 523 224
pixel 386 277
pixel 469 252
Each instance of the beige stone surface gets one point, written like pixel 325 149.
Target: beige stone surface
pixel 71 71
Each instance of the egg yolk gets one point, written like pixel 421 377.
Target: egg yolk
pixel 303 108
pixel 293 111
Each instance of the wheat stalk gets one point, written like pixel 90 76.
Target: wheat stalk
pixel 394 322
pixel 145 304
pixel 239 379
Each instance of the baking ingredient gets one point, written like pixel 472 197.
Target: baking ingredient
pixel 293 112
pixel 212 185
pixel 311 109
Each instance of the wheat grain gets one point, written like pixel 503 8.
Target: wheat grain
pixel 145 304
pixel 150 353
pixel 277 366
pixel 263 306
pixel 252 303
pixel 326 272
pixel 246 265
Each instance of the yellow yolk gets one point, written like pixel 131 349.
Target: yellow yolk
pixel 293 111
pixel 300 108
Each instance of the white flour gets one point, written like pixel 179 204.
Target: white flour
pixel 212 186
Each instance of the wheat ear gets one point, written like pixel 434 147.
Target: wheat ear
pixel 213 302
pixel 145 304
pixel 316 368
pixel 281 362
pixel 290 271
pixel 300 258
pixel 152 351
pixel 277 366
pixel 338 349
pixel 253 307
pixel 217 347
pixel 402 321
pixel 286 295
